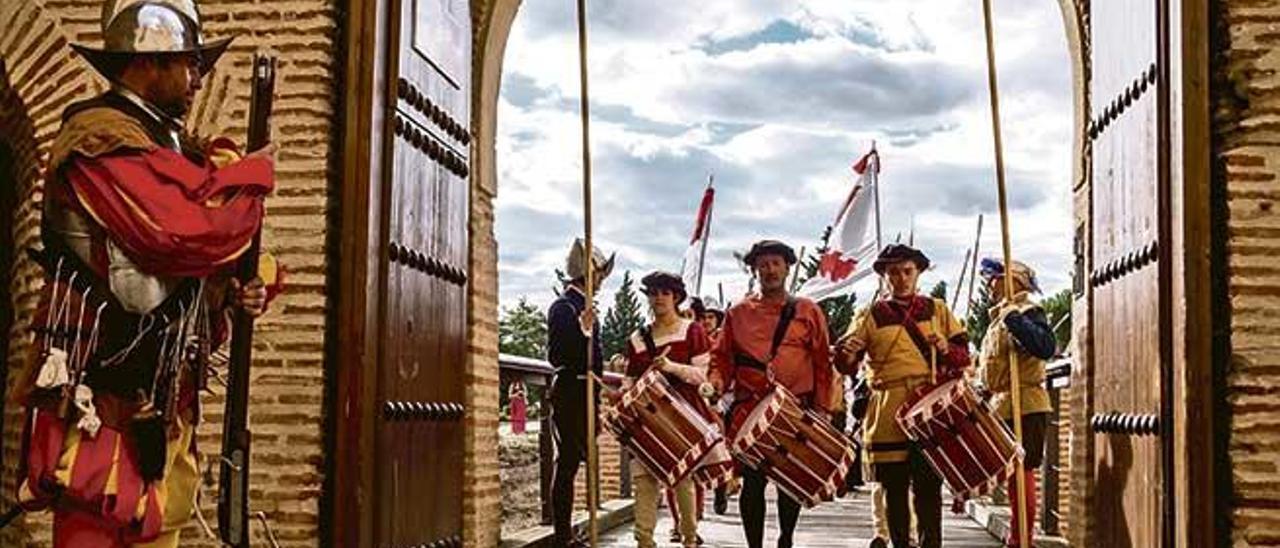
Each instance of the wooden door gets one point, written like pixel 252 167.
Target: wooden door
pixel 419 428
pixel 398 339
pixel 1130 278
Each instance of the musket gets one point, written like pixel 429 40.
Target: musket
pixel 233 479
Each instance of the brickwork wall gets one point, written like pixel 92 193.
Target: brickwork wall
pixel 1064 464
pixel 44 78
pixel 482 513
pixel 1246 125
pixel 288 374
pixel 482 492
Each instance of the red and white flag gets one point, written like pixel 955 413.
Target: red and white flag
pixel 694 256
pixel 851 247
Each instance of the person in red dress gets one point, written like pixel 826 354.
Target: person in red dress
pixel 519 406
pixel 680 348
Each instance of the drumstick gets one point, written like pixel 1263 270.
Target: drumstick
pixel 933 350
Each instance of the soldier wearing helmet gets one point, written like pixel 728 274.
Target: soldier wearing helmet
pixel 142 224
pixel 571 325
pixel 1018 321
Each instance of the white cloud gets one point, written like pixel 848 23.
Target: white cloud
pixel 778 98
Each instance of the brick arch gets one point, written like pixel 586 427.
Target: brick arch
pixel 492 21
pixel 40 76
pixel 19 173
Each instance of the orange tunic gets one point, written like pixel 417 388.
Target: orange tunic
pixel 802 364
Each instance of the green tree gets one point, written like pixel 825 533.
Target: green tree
pixel 939 291
pixel 624 317
pixel 1057 308
pixel 979 315
pixel 522 331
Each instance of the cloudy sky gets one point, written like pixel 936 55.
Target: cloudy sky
pixel 778 98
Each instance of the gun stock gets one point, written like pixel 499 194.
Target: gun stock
pixel 233 479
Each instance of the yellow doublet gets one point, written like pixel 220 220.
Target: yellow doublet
pixel 895 367
pixel 994 362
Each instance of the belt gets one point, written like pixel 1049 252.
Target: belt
pixel 743 360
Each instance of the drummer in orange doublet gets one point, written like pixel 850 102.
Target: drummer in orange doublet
pixel 746 360
pixel 680 348
pixel 898 360
pixel 1021 321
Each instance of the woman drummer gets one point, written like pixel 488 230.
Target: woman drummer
pixel 1022 321
pixel 680 348
pixel 910 341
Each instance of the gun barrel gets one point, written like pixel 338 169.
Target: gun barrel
pixel 233 491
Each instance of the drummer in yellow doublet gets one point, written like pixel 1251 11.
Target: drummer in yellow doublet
pixel 907 341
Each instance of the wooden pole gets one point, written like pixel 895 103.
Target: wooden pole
pixel 592 464
pixel 706 235
pixel 933 349
pixel 883 290
pixel 1015 391
pixel 973 267
pixel 795 272
pixel 964 268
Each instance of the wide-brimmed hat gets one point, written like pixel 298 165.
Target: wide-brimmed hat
pixel 658 279
pixel 150 27
pixel 897 253
pixel 1023 275
pixel 575 265
pixel 769 247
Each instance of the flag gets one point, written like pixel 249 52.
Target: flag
pixel 851 247
pixel 691 271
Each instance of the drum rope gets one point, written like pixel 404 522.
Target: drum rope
pixel 1015 386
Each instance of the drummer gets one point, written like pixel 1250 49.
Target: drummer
pixel 678 347
pixel 1021 320
pixel 746 359
pixel 899 354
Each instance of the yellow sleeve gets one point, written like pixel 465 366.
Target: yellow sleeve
pixel 860 327
pixel 950 325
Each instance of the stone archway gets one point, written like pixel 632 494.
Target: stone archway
pixel 18 169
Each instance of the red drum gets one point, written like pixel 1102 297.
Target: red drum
pixel 798 450
pixel 716 469
pixel 961 437
pixel 664 432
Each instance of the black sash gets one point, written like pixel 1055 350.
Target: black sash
pixel 779 332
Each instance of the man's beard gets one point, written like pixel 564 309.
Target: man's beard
pixel 176 109
pixel 779 283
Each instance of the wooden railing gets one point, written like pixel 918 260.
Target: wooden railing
pixel 1057 378
pixel 536 372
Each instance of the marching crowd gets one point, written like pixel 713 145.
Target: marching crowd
pixel 763 378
